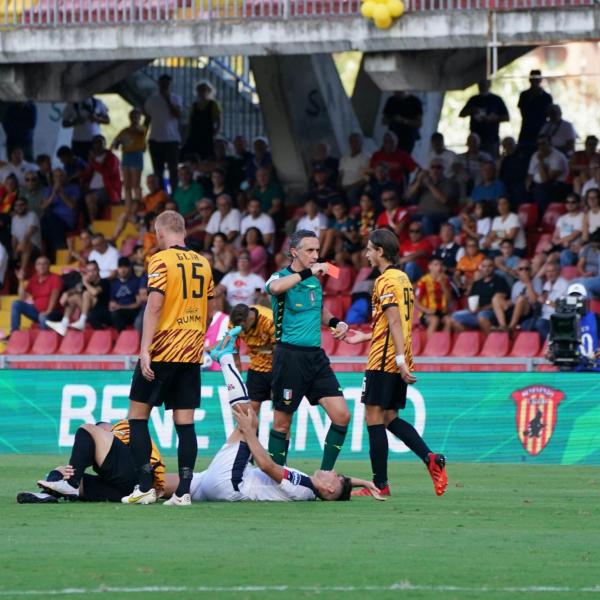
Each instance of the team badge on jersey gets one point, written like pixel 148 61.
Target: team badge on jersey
pixel 537 412
pixel 287 396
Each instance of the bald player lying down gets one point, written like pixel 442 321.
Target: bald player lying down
pixel 230 477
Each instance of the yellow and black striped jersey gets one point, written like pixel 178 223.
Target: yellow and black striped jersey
pixel 260 340
pixel 185 279
pixel 121 431
pixel 392 288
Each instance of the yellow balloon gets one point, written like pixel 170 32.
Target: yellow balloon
pixel 367 8
pixel 383 23
pixel 396 8
pixel 381 13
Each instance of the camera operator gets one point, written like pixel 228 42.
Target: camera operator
pixel 575 332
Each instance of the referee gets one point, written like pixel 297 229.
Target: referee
pixel 300 367
pixel 180 285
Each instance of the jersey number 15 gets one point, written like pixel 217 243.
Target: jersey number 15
pixel 197 280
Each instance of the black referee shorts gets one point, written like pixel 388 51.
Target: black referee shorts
pixel 387 390
pixel 299 372
pixel 176 385
pixel 259 385
pixel 116 477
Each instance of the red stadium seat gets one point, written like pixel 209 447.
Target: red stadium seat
pixel 434 241
pixel 341 285
pixel 466 344
pixel 528 213
pixel 344 349
pixel 496 345
pixel 335 305
pixel 527 345
pixel 19 342
pixel 100 342
pixel 543 243
pixel 363 274
pixel 72 343
pixel 418 335
pixel 128 343
pixel 45 343
pixel 551 215
pixel 570 272
pixel 544 348
pixel 438 344
pixel 595 306
pixel 328 342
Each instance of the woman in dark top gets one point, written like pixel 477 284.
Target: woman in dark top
pixel 204 124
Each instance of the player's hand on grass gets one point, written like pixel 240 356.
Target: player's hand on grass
pixel 145 361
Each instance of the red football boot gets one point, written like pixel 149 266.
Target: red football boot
pixel 436 465
pixel 367 492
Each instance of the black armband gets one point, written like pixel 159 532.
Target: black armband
pixel 305 274
pixel 333 322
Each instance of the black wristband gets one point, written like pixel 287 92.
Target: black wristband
pixel 333 322
pixel 305 274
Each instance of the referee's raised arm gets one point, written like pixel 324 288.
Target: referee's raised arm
pixel 279 286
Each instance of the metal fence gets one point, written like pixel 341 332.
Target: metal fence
pixel 52 13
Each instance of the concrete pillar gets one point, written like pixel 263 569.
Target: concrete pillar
pixel 303 103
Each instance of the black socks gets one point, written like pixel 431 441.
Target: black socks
pixel 82 455
pixel 141 449
pixel 409 435
pixel 378 451
pixel 186 456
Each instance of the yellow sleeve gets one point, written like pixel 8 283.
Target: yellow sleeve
pixel 157 274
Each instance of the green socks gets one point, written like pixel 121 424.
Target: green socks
pixel 278 446
pixel 333 444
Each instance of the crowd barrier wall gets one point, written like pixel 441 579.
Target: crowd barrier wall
pixel 545 418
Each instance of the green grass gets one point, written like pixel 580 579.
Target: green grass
pixel 497 527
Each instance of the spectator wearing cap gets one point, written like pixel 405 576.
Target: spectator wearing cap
pixel 270 195
pixel 25 233
pixel 225 219
pixel 73 165
pixel 353 168
pixel 204 122
pixel 436 196
pixel 85 118
pixel 561 133
pixel 59 212
pixel 105 256
pixel 548 170
pixel 101 178
pixel 43 292
pixel 400 163
pixel 260 220
pixel 414 252
pixel 163 111
pixel 486 112
pixel 581 161
pixel 567 233
pixel 17 166
pixel 439 152
pixel 187 193
pixel 533 104
pixel 124 304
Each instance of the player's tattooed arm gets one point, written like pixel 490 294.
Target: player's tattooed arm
pixel 248 425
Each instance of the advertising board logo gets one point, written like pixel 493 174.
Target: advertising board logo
pixel 537 412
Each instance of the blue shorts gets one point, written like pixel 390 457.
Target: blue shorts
pixel 133 160
pixel 470 320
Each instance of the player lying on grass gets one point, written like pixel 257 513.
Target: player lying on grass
pixel 230 477
pixel 106 450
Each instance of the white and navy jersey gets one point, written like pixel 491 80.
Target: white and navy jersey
pixel 294 487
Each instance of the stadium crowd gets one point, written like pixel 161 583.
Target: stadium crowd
pixel 490 237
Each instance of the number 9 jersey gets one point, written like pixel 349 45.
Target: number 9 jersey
pixel 184 277
pixel 391 288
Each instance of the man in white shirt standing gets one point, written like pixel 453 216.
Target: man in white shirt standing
pixel 25 233
pixel 225 219
pixel 241 286
pixel 105 255
pixel 262 221
pixel 163 111
pixel 17 166
pixel 353 168
pixel 314 219
pixel 439 152
pixel 85 118
pixel 548 170
pixel 568 230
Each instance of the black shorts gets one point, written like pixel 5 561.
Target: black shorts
pixel 259 385
pixel 116 477
pixel 299 372
pixel 387 390
pixel 176 385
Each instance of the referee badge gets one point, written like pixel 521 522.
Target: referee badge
pixel 312 296
pixel 287 396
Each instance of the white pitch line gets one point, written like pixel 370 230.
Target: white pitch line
pixel 244 589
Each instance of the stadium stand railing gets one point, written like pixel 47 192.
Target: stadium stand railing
pixel 53 13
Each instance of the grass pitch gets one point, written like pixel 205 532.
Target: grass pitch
pixel 499 532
